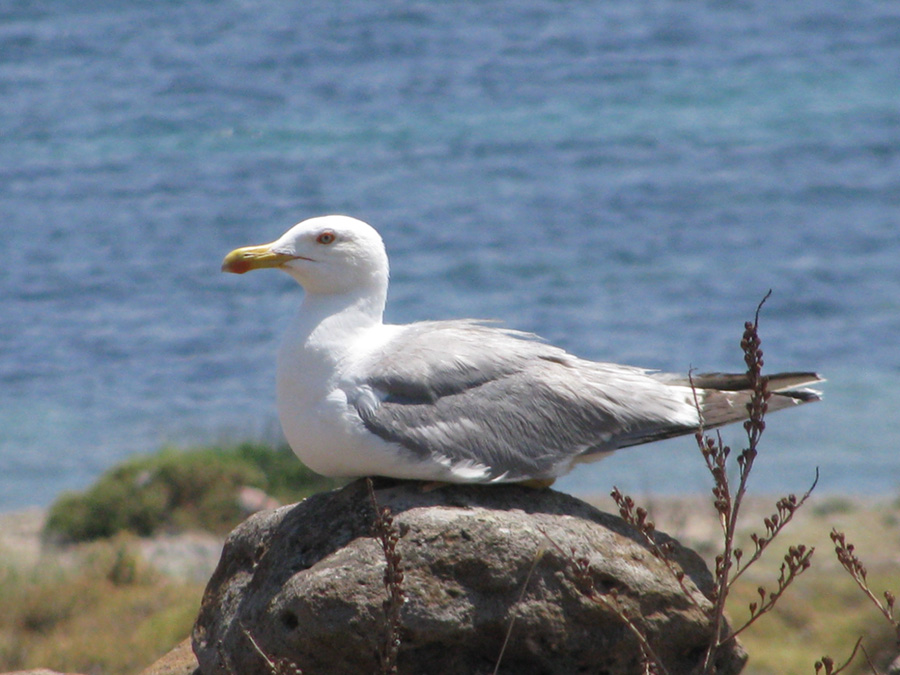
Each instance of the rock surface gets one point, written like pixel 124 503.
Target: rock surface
pixel 304 586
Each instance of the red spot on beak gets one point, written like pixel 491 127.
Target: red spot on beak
pixel 237 266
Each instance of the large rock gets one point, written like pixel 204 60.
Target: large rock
pixel 304 585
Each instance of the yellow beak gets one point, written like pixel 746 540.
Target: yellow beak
pixel 248 258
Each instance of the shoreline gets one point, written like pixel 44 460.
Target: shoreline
pixel 186 556
pixel 689 518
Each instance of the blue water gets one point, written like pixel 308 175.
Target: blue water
pixel 624 178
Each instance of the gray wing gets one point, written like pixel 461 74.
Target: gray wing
pixel 494 404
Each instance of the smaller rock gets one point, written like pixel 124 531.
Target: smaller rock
pixel 252 500
pixel 179 661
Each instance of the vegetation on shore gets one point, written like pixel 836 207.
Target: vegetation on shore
pixel 179 490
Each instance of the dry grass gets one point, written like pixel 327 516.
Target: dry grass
pixel 95 608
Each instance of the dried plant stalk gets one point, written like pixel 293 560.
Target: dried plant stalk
pixel 581 570
pixel 730 563
pixel 384 529
pixel 850 561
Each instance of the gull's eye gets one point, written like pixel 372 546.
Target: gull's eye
pixel 326 238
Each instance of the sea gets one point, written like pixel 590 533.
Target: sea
pixel 627 179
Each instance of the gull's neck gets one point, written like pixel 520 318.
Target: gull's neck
pixel 333 321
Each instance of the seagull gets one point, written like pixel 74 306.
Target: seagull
pixel 459 401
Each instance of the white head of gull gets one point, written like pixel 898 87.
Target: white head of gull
pixel 457 401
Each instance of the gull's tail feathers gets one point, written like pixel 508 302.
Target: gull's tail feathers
pixel 724 397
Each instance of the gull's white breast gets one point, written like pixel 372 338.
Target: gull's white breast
pixel 315 373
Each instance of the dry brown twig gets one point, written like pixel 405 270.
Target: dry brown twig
pixel 850 561
pixel 846 555
pixel 534 563
pixel 825 665
pixel 581 570
pixel 730 563
pixel 388 535
pixel 636 516
pixel 277 666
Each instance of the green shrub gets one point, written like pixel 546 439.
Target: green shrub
pixel 175 490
